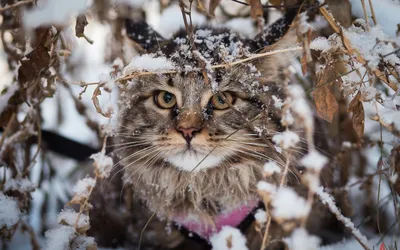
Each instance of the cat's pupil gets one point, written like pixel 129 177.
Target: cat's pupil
pixel 167 97
pixel 220 100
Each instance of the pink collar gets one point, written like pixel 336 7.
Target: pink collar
pixel 205 229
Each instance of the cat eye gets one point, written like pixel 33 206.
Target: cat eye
pixel 165 100
pixel 222 101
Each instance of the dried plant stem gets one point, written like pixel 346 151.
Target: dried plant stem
pixel 351 51
pixel 4 135
pixel 265 237
pixel 225 65
pixel 285 171
pixel 16 5
pixel 327 200
pixel 371 7
pixel 268 53
pixel 365 13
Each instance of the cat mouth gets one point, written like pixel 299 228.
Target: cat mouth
pixel 190 159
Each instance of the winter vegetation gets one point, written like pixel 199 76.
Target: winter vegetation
pixel 64 65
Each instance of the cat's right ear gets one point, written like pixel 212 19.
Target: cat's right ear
pixel 144 37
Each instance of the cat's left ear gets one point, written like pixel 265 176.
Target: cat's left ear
pixel 146 39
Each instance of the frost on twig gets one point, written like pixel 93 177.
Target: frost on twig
pixel 327 199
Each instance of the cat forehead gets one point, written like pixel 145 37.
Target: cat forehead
pixel 212 46
pixel 235 80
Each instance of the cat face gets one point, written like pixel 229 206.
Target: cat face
pixel 190 126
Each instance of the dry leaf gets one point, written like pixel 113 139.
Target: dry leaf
pixel 96 102
pixel 357 108
pixel 325 101
pixel 80 25
pixel 256 9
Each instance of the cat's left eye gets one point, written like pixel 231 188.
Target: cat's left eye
pixel 222 101
pixel 165 100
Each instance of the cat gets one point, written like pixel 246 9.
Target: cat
pixel 191 150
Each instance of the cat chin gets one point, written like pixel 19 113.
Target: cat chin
pixel 188 161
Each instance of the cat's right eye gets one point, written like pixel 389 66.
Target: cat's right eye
pixel 165 100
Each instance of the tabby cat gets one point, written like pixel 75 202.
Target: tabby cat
pixel 192 151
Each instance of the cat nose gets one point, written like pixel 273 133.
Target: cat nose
pixel 188 133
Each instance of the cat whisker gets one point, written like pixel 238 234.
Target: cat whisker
pixel 137 153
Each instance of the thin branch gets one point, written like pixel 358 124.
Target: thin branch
pixel 371 7
pixel 327 200
pixel 225 65
pixel 17 4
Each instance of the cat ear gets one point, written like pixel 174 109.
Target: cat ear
pixel 144 37
pixel 279 35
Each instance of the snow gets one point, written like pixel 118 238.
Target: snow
pixel 229 238
pixel 266 187
pixel 386 12
pixel 304 26
pixel 372 45
pixel 171 20
pixel 278 103
pixel 393 178
pixel 242 26
pixel 286 139
pixel 270 168
pixel 368 93
pixel 59 238
pixel 103 164
pixel 314 160
pixel 82 187
pixel 148 62
pixel 53 12
pixel 21 185
pixel 299 105
pixel 261 216
pixel 320 43
pixel 9 211
pixel 301 240
pixel 69 218
pixel 288 205
pixel 327 199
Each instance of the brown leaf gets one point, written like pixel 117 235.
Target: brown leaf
pixel 325 101
pixel 357 108
pixel 80 25
pixel 96 102
pixel 256 9
pixel 212 6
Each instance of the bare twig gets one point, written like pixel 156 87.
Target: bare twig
pixel 371 7
pixel 327 200
pixel 4 135
pixel 365 13
pixel 225 65
pixel 17 4
pixel 351 51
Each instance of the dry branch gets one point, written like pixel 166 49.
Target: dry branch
pixel 17 4
pixel 351 51
pixel 225 65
